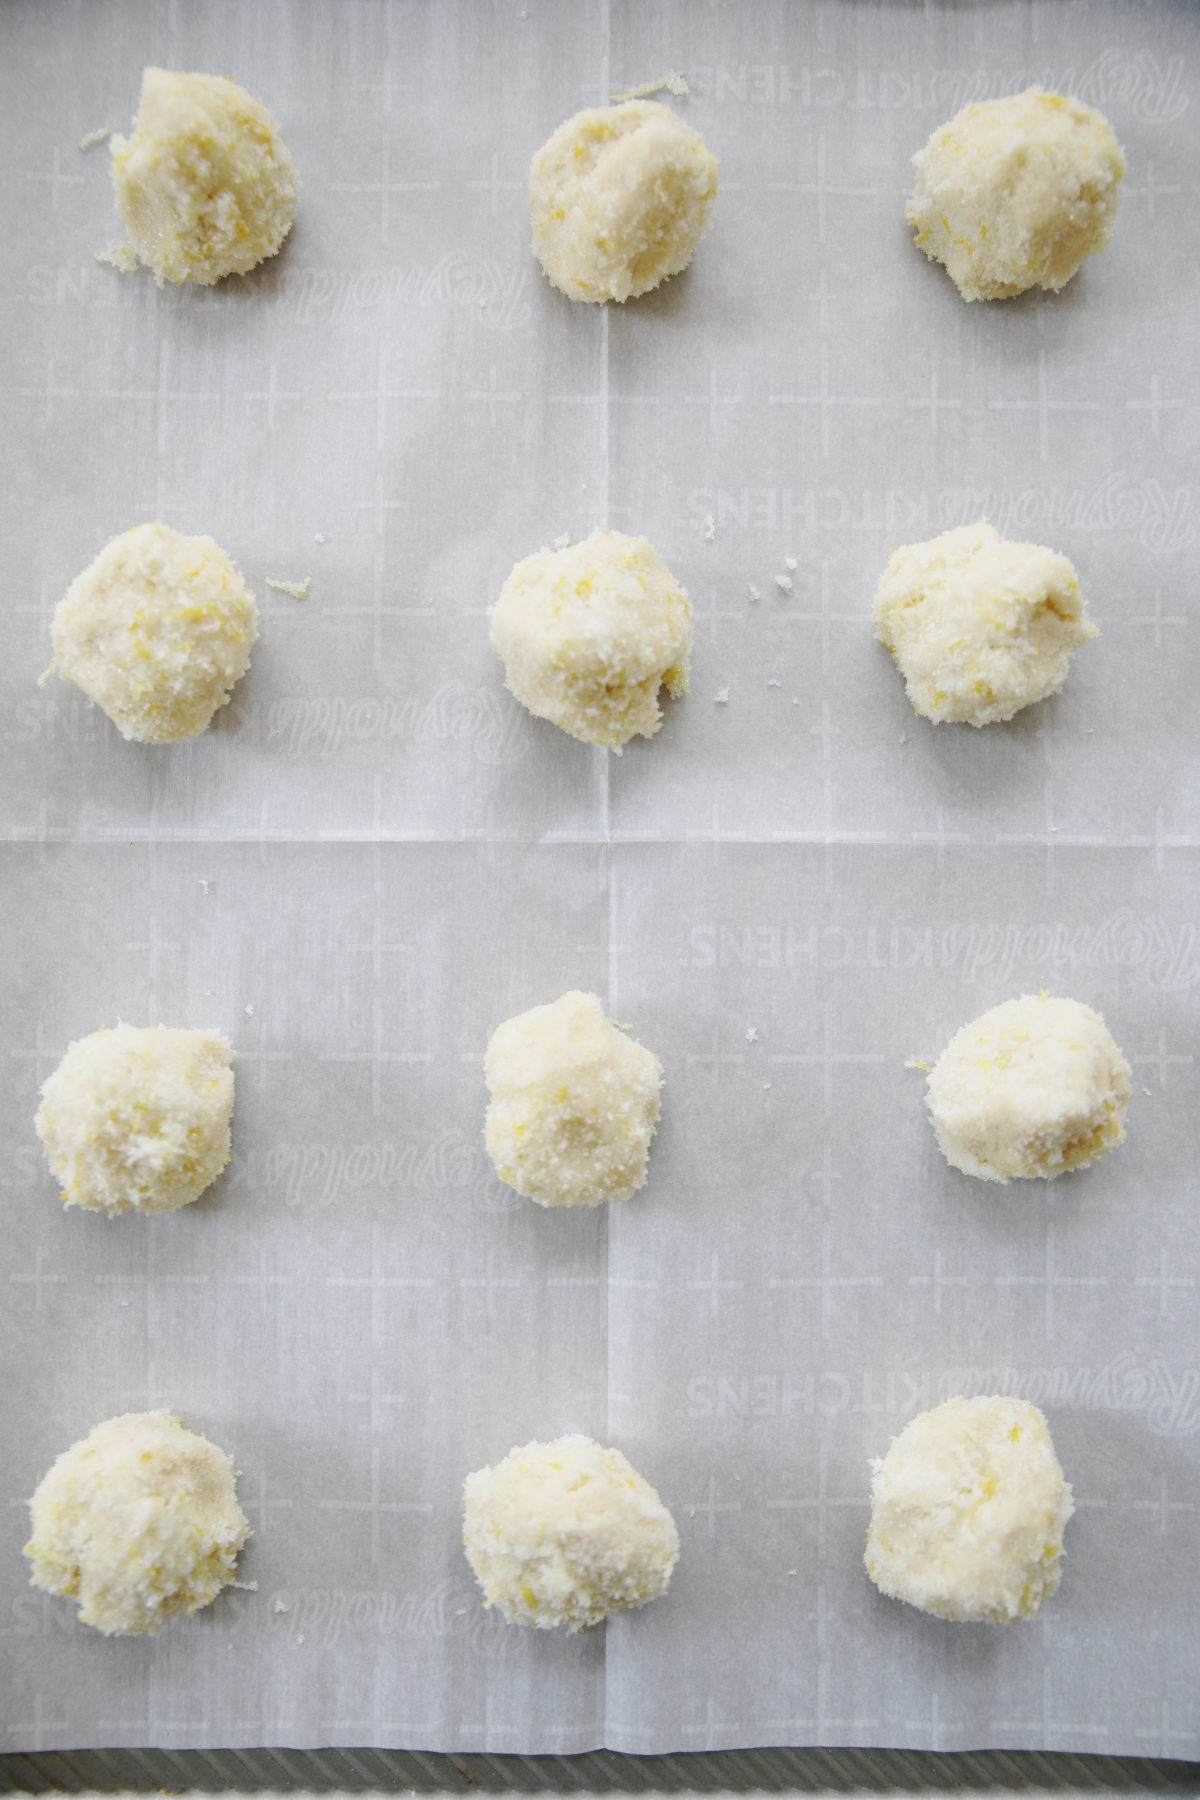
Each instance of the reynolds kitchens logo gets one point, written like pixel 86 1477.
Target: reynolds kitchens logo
pixel 1166 954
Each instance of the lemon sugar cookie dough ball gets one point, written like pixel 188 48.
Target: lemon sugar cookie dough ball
pixel 156 631
pixel 620 196
pixel 1014 193
pixel 563 1533
pixel 1034 1087
pixel 137 1521
pixel 137 1118
pixel 968 1509
pixel 978 626
pixel 588 635
pixel 574 1102
pixel 205 186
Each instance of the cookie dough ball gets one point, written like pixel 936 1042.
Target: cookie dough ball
pixel 620 196
pixel 1034 1087
pixel 589 634
pixel 156 631
pixel 137 1521
pixel 563 1533
pixel 1014 193
pixel 967 1512
pixel 574 1103
pixel 204 185
pixel 138 1118
pixel 979 627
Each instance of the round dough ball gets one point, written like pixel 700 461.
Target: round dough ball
pixel 205 186
pixel 589 634
pixel 620 197
pixel 156 631
pixel 967 1512
pixel 574 1103
pixel 137 1521
pixel 138 1118
pixel 1033 1087
pixel 1014 193
pixel 979 627
pixel 563 1533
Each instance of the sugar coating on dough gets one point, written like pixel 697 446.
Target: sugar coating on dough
pixel 979 627
pixel 620 196
pixel 137 1521
pixel 1014 193
pixel 205 186
pixel 968 1509
pixel 1034 1087
pixel 156 631
pixel 563 1533
pixel 137 1118
pixel 588 634
pixel 574 1103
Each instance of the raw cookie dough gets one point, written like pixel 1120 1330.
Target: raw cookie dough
pixel 138 1118
pixel 205 186
pixel 156 631
pixel 1014 193
pixel 979 627
pixel 620 197
pixel 589 634
pixel 574 1103
pixel 967 1512
pixel 1033 1087
pixel 563 1533
pixel 137 1521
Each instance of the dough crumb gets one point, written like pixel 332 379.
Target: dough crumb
pixel 978 626
pixel 721 697
pixel 565 1533
pixel 561 541
pixel 752 1034
pixel 673 82
pixel 620 196
pixel 710 528
pixel 156 631
pixel 119 256
pixel 91 138
pixel 297 589
pixel 573 1103
pixel 754 593
pixel 784 583
pixel 137 1521
pixel 205 185
pixel 1014 193
pixel 318 537
pixel 789 562
pixel 968 1509
pixel 588 635
pixel 1034 1087
pixel 137 1119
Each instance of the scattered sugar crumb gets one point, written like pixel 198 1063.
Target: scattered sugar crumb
pixel 121 256
pixel 721 697
pixel 784 583
pixel 789 562
pixel 203 883
pixel 795 699
pixel 561 542
pixel 91 138
pixel 1147 1093
pixel 318 537
pixel 754 593
pixel 281 1606
pixel 710 528
pixel 904 737
pixel 247 1587
pixel 250 1010
pixel 774 683
pixel 300 1639
pixel 673 81
pixel 791 1571
pixel 766 1085
pixel 297 589
pixel 752 1034
pixel 123 1303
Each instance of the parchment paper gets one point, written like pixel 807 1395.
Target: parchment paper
pixel 375 856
